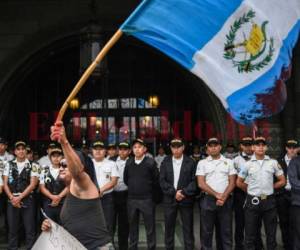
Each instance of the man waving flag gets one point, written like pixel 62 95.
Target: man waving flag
pixel 241 49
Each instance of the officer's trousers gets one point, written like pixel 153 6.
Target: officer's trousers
pixel 283 203
pixel 186 214
pixel 295 213
pixel 121 218
pixel 147 209
pixel 52 212
pixel 27 214
pixel 211 215
pixel 108 210
pixel 265 211
pixel 238 205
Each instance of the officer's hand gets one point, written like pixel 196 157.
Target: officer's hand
pixel 46 226
pixel 16 201
pixel 58 132
pixel 179 196
pixel 101 193
pixel 220 203
pixel 219 196
pixel 224 197
pixel 55 201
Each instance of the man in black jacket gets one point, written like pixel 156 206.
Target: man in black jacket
pixel 178 183
pixel 283 196
pixel 141 177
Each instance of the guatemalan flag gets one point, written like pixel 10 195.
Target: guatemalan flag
pixel 241 49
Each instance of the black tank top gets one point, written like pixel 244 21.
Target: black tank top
pixel 84 219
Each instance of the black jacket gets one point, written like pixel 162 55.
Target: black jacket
pixel 141 179
pixel 187 180
pixel 294 178
pixel 284 167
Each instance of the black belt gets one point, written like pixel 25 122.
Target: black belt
pixel 255 200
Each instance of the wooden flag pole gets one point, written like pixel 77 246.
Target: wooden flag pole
pixel 88 72
pixel 254 130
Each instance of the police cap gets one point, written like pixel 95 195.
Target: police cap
pixel 138 140
pixel 213 140
pixel 124 144
pixel 292 144
pixel 247 141
pixel 260 139
pixel 176 142
pixel 98 143
pixel 20 143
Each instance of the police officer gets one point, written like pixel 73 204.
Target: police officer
pixel 4 155
pixel 294 180
pixel 260 201
pixel 196 155
pixel 239 196
pixel 53 189
pixel 107 177
pixel 179 186
pixel 45 160
pixel 1 182
pixel 112 152
pixel 230 151
pixel 20 180
pixel 216 177
pixel 283 195
pixel 141 177
pixel 120 198
pixel 160 156
pixel 29 153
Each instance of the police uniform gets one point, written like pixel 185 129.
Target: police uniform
pixel 45 160
pixel 50 179
pixel 112 146
pixel 239 197
pixel 1 173
pixel 159 159
pixel 19 175
pixel 260 202
pixel 6 156
pixel 3 159
pixel 216 173
pixel 105 170
pixel 120 203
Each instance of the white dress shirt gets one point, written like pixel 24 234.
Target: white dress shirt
pixel 6 157
pixel 239 161
pixel 177 163
pixel 216 172
pixel 105 169
pixel 288 184
pixel 260 176
pixel 159 159
pixel 1 180
pixel 138 161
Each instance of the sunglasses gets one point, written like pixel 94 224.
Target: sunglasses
pixel 63 165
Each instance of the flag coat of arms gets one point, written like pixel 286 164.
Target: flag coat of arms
pixel 241 49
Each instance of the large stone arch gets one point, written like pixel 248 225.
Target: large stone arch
pixel 43 45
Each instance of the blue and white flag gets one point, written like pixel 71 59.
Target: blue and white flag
pixel 241 49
